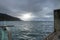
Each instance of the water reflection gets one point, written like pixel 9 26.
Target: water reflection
pixel 30 30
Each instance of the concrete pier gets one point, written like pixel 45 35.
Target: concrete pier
pixel 56 34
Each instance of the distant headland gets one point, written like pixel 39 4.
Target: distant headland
pixel 5 17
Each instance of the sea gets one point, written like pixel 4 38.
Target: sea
pixel 27 30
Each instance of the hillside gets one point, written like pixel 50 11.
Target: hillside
pixel 5 17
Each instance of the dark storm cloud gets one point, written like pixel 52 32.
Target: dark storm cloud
pixel 40 8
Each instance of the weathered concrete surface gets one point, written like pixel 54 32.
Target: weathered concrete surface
pixel 50 37
pixel 53 36
pixel 57 20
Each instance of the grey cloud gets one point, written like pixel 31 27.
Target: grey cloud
pixel 39 8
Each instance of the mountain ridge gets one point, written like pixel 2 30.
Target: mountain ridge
pixel 6 17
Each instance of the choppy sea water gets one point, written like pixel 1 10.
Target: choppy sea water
pixel 29 30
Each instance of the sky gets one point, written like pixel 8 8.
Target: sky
pixel 36 10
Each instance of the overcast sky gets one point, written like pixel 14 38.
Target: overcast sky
pixel 41 9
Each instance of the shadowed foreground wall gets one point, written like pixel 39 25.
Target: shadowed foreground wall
pixel 57 20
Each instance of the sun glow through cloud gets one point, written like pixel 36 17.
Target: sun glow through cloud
pixel 26 17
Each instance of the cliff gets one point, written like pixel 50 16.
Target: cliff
pixel 5 17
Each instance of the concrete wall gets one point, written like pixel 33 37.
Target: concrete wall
pixel 57 20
